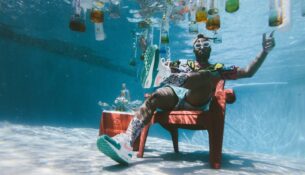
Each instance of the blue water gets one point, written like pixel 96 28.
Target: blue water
pixel 50 75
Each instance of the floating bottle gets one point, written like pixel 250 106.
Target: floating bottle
pixel 144 24
pixel 201 12
pixel 114 8
pixel 97 17
pixel 213 22
pixel 232 6
pixel 164 31
pixel 303 7
pixel 275 13
pixel 125 92
pixel 123 100
pixel 193 26
pixel 132 61
pixel 77 21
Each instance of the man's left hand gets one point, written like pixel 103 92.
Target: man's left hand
pixel 268 42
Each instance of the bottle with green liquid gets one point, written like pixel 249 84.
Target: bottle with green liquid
pixel 164 31
pixel 232 6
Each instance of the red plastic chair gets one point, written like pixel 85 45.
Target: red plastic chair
pixel 212 121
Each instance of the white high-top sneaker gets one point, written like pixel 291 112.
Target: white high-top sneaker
pixel 164 71
pixel 151 59
pixel 117 148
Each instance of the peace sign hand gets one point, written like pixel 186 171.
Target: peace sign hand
pixel 268 43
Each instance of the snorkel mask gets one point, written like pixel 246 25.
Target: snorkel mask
pixel 202 44
pixel 206 43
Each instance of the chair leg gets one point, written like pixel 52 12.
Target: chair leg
pixel 174 134
pixel 215 142
pixel 143 138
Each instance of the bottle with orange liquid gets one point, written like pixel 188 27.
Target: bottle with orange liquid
pixel 77 21
pixel 213 22
pixel 97 17
pixel 201 13
pixel 275 13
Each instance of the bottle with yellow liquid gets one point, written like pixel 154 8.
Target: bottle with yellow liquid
pixel 213 22
pixel 275 13
pixel 232 6
pixel 97 17
pixel 201 12
pixel 77 21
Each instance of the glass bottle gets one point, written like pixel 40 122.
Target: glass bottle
pixel 144 24
pixel 193 26
pixel 201 12
pixel 275 13
pixel 132 61
pixel 232 6
pixel 164 30
pixel 97 17
pixel 125 91
pixel 303 7
pixel 77 20
pixel 213 22
pixel 114 8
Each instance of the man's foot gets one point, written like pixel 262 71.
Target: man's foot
pixel 151 57
pixel 117 148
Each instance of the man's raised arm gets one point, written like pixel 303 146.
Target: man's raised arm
pixel 250 70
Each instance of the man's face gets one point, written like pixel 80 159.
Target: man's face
pixel 202 50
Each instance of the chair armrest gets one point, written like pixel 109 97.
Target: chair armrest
pixel 230 96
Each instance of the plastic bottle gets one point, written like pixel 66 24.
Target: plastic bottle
pixel 275 13
pixel 232 6
pixel 213 22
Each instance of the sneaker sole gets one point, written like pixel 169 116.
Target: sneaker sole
pixel 110 148
pixel 148 76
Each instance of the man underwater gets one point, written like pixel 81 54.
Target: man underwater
pixel 189 86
